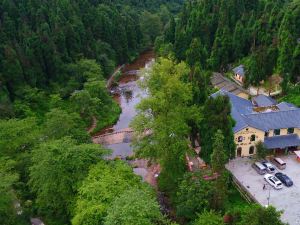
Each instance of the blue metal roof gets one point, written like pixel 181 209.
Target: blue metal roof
pixel 244 116
pixel 286 106
pixel 282 141
pixel 264 101
pixel 239 106
pixel 239 70
pixel 274 120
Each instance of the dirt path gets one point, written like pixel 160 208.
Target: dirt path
pixel 93 125
pixel 152 171
pixel 111 79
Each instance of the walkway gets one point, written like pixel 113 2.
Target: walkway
pixel 221 82
pixel 111 79
pixel 93 125
pixel 120 136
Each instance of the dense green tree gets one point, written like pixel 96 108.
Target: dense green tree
pixel 216 116
pixel 196 53
pixel 13 76
pixel 105 182
pixel 200 81
pixel 288 36
pixel 218 156
pixel 261 150
pixel 221 49
pixel 166 112
pixel 257 214
pixel 193 196
pixel 6 108
pixel 83 103
pixel 169 32
pixel 239 41
pixel 209 218
pixel 151 26
pixel 8 177
pixel 58 167
pixel 18 136
pixel 59 123
pixel 218 161
pixel 181 44
pixel 134 207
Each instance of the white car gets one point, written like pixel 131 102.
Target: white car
pixel 269 167
pixel 273 181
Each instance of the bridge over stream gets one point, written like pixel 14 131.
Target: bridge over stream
pixel 117 137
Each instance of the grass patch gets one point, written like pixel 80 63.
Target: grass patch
pixel 293 96
pixel 235 199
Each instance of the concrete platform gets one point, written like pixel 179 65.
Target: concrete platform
pixel 287 199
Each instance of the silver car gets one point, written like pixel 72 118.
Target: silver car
pixel 269 167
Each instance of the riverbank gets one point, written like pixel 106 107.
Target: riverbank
pixel 128 94
pixel 120 84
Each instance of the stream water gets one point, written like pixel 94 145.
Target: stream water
pixel 128 95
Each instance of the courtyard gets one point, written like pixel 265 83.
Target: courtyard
pixel 286 199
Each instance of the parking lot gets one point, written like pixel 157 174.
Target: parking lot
pixel 287 199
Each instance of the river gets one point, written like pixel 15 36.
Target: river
pixel 128 94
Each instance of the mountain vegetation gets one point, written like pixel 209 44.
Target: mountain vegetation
pixel 42 43
pixel 261 34
pixel 55 59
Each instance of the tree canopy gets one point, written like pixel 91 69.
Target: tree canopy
pixel 105 182
pixel 58 167
pixel 134 207
pixel 166 112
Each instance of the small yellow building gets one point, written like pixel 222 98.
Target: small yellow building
pixel 263 119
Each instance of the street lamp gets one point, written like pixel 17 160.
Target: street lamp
pixel 269 196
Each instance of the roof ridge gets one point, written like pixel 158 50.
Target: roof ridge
pixel 269 112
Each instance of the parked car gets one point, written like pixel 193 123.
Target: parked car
pixel 260 168
pixel 269 167
pixel 273 181
pixel 284 179
pixel 279 163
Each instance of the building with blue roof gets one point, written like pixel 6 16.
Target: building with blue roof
pixel 263 119
pixel 263 101
pixel 239 73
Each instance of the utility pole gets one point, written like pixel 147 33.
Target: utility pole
pixel 269 196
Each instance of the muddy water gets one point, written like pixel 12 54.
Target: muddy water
pixel 128 96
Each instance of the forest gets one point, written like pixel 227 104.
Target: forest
pixel 261 34
pixel 42 41
pixel 55 59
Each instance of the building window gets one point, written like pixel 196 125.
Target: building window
pixel 290 130
pixel 240 139
pixel 267 134
pixel 251 150
pixel 252 137
pixel 276 132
